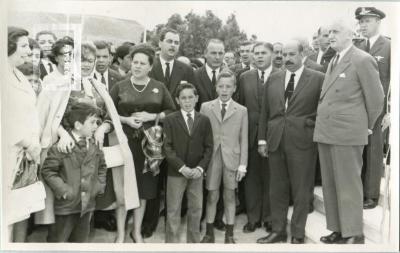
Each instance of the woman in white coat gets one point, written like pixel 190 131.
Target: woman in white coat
pixel 21 126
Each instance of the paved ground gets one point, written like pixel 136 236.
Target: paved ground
pixel 103 236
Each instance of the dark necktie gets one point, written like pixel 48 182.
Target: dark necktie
pixel 50 67
pixel 335 62
pixel 223 110
pixel 103 80
pixel 262 76
pixel 167 73
pixel 214 79
pixel 190 122
pixel 368 46
pixel 290 88
pixel 247 67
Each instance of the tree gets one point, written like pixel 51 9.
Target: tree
pixel 231 34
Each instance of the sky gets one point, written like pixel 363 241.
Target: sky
pixel 270 20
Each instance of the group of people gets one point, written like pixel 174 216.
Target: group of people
pixel 143 130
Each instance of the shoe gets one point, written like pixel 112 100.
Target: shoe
pixel 359 239
pixel 219 224
pixel 240 209
pixel 229 239
pixel 268 226
pixel 296 240
pixel 208 239
pixel 109 224
pixel 131 236
pixel 146 233
pixel 335 237
pixel 251 227
pixel 273 237
pixel 370 203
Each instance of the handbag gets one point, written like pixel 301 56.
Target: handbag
pixel 113 153
pixel 26 171
pixel 152 148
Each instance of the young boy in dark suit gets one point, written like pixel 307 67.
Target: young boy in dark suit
pixel 188 145
pixel 76 178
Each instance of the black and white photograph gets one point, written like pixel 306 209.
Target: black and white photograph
pixel 200 125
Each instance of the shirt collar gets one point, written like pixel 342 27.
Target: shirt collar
pixel 227 103
pixel 210 70
pixel 184 114
pixel 343 52
pixel 267 72
pixel 297 72
pixel 98 74
pixel 171 63
pixel 373 39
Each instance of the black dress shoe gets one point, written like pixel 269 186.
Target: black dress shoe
pixel 240 209
pixel 251 227
pixel 229 239
pixel 146 233
pixel 208 239
pixel 268 226
pixel 273 237
pixel 109 224
pixel 219 224
pixel 335 237
pixel 296 240
pixel 370 203
pixel 359 239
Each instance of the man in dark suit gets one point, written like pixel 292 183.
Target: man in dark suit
pixel 205 81
pixel 286 131
pixel 350 102
pixel 108 77
pixel 46 40
pixel 325 52
pixel 171 72
pixel 245 57
pixel 307 54
pixel 379 47
pixel 256 182
pixel 166 68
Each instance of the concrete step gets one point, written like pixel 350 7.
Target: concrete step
pixel 371 218
pixel 316 227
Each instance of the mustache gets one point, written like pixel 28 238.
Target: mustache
pixel 288 63
pixel 278 58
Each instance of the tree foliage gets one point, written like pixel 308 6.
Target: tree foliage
pixel 196 29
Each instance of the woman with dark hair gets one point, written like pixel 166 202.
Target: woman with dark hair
pixel 52 105
pixel 140 102
pixel 22 127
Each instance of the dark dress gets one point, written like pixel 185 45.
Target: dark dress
pixel 155 98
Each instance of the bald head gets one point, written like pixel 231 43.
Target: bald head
pixel 292 55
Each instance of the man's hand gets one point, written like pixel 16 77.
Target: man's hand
pixel 187 172
pixel 240 175
pixel 196 173
pixel 263 150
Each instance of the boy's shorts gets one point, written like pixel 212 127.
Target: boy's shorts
pixel 217 172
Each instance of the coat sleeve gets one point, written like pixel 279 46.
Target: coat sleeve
pixel 51 173
pixel 244 136
pixel 367 71
pixel 174 162
pixel 208 143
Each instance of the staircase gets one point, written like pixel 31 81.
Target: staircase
pixel 316 223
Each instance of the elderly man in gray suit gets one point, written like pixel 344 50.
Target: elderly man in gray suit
pixel 350 102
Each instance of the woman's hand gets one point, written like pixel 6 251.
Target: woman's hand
pixel 33 152
pixel 133 122
pixel 65 144
pixel 145 116
pixel 99 136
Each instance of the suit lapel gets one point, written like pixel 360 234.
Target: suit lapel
pixel 182 122
pixel 231 110
pixel 175 76
pixel 158 71
pixel 303 81
pixel 196 121
pixel 215 107
pixel 207 82
pixel 282 87
pixel 332 75
pixel 376 46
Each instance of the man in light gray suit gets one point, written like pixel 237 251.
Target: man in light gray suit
pixel 350 102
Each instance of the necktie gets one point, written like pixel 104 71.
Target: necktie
pixel 167 73
pixel 368 45
pixel 214 79
pixel 103 80
pixel 82 143
pixel 262 76
pixel 336 60
pixel 223 110
pixel 290 87
pixel 50 67
pixel 190 122
pixel 247 67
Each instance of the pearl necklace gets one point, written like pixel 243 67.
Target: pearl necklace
pixel 145 85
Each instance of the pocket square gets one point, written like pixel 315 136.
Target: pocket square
pixel 342 75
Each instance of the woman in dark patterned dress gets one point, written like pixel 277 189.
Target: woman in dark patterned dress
pixel 139 101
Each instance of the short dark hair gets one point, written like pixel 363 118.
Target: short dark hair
pixel 58 45
pixel 28 69
pixel 45 32
pixel 14 33
pixel 165 31
pixel 185 85
pixel 122 51
pixel 101 44
pixel 144 49
pixel 245 43
pixel 227 73
pixel 267 45
pixel 33 44
pixel 79 111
